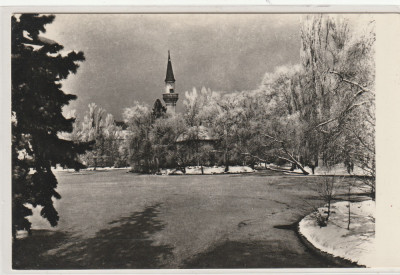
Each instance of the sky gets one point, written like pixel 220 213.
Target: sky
pixel 126 54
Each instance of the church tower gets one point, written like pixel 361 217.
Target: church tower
pixel 170 97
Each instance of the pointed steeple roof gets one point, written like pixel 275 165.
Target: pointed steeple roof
pixel 170 74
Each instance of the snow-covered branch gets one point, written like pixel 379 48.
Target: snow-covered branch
pixel 351 82
pixel 291 159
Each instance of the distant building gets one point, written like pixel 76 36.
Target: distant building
pixel 170 97
pixel 200 146
pixel 197 134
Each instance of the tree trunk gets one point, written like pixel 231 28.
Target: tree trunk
pixel 348 223
pixel 226 161
pixel 293 160
pixel 329 210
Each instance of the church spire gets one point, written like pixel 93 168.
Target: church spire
pixel 170 97
pixel 170 73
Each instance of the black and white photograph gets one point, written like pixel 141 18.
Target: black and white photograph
pixel 193 141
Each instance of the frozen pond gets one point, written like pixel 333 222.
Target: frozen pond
pixel 115 219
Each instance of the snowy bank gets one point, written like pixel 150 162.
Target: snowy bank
pixel 336 170
pixel 356 244
pixel 60 169
pixel 196 170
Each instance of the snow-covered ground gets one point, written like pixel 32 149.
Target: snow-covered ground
pixel 190 170
pixel 60 169
pixel 336 170
pixel 196 170
pixel 356 244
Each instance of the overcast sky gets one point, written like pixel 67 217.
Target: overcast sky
pixel 126 55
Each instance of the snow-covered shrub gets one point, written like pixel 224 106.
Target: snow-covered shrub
pixel 320 219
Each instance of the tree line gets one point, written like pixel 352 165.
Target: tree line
pixel 318 112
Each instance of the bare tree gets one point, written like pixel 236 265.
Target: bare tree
pixel 327 190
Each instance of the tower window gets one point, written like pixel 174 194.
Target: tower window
pixel 171 91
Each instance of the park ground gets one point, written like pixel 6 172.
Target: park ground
pixel 116 219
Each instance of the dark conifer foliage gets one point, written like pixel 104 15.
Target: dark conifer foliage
pixel 37 102
pixel 159 109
